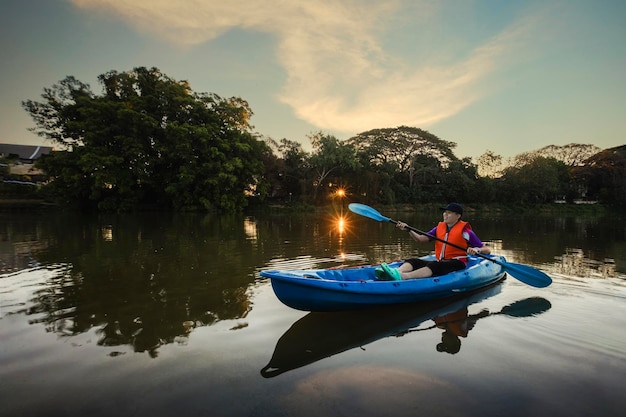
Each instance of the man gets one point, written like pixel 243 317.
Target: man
pixel 449 258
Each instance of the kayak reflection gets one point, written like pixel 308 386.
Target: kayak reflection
pixel 319 335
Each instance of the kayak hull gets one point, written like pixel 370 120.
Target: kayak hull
pixel 354 288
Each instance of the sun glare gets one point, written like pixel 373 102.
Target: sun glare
pixel 341 225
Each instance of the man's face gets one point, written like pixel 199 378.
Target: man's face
pixel 450 217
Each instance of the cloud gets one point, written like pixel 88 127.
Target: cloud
pixel 340 76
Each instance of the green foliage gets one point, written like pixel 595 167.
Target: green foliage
pixel 4 167
pixel 489 165
pixel 603 176
pixel 148 140
pixel 294 169
pixel 18 190
pixel 331 160
pixel 538 180
pixel 407 165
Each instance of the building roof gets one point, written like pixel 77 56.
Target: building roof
pixel 28 152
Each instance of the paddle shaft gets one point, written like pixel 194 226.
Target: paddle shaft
pixel 469 317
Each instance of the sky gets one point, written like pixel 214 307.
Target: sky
pixel 506 76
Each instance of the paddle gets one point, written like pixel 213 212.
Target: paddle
pixel 526 274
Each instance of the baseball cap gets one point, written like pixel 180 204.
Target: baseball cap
pixel 453 207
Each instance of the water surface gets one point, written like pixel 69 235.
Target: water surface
pixel 157 314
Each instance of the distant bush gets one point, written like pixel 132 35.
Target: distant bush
pixel 18 189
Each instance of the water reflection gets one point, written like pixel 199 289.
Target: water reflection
pixel 249 225
pixel 574 263
pixel 141 281
pixel 582 246
pixel 148 280
pixel 320 335
pixel 107 232
pixel 542 239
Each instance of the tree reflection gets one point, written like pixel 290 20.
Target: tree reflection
pixel 574 263
pixel 145 281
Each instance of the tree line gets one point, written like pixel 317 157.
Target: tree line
pixel 150 141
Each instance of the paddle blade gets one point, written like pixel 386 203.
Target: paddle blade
pixel 367 211
pixel 526 308
pixel 527 274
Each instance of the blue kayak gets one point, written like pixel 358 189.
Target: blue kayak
pixel 354 288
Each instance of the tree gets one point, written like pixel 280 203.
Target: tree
pixel 148 139
pixel 296 167
pixel 400 146
pixel 539 180
pixel 603 176
pixel 572 154
pixel 490 165
pixel 408 163
pixel 330 156
pixel 459 181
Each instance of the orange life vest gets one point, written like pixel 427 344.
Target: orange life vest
pixel 454 236
pixel 455 322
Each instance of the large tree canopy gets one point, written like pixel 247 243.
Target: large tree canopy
pixel 148 139
pixel 401 146
pixel 407 164
pixel 572 155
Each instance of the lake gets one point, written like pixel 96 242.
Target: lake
pixel 160 314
